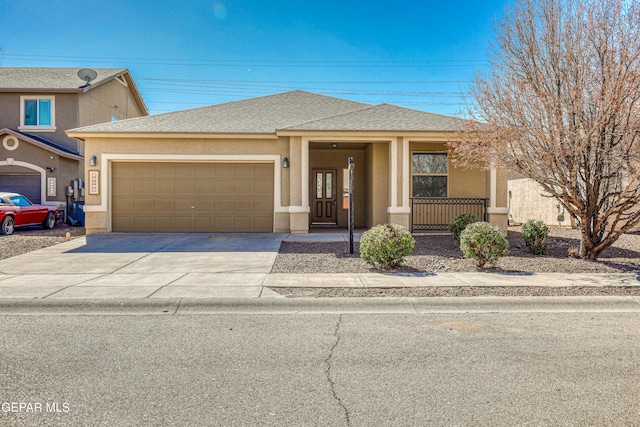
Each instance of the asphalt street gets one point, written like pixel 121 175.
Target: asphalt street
pixel 501 367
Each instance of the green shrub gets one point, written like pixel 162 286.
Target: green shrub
pixel 484 243
pixel 385 246
pixel 459 223
pixel 533 233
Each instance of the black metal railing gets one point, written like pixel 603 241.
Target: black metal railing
pixel 432 213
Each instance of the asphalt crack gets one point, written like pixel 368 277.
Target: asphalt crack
pixel 328 373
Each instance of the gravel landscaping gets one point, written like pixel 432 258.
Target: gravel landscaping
pixel 435 253
pixel 438 253
pixel 32 238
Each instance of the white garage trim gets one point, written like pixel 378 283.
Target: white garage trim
pixel 43 174
pixel 107 159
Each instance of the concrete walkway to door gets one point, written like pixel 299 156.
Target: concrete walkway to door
pixel 144 265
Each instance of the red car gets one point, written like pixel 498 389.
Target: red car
pixel 17 211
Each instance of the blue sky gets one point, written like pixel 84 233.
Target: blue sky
pixel 190 53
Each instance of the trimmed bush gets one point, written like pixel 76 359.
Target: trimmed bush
pixel 385 246
pixel 459 223
pixel 533 233
pixel 484 243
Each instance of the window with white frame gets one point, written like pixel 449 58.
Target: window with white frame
pixel 429 174
pixel 37 113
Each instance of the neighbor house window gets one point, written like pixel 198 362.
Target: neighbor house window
pixel 37 113
pixel 429 174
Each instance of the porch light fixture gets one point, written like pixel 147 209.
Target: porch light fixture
pixel 93 161
pixel 334 145
pixel 285 162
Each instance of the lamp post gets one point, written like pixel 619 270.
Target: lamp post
pixel 352 166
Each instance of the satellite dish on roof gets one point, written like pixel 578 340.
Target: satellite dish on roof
pixel 87 75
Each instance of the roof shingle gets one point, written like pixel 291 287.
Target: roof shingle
pixel 32 78
pixel 295 110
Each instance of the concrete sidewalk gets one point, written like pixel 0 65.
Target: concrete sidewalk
pixel 199 266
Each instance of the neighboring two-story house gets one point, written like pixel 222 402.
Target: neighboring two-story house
pixel 37 106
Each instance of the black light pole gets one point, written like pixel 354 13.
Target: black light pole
pixel 352 166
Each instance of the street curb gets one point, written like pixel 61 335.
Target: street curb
pixel 453 305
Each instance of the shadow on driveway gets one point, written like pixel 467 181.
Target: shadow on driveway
pixel 181 242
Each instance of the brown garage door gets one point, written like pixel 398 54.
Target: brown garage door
pixel 192 197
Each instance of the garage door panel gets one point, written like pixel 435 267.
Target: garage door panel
pixel 263 171
pixel 163 187
pixel 192 197
pixel 205 204
pixel 242 223
pixel 144 205
pixel 143 223
pixel 184 170
pixel 203 170
pixel 203 187
pixel 222 206
pixel 125 205
pixel 122 223
pixel 123 187
pixel 244 188
pixel 143 170
pixel 203 223
pixel 223 170
pixel 262 205
pixel 163 205
pixel 243 171
pixel 183 205
pixel 184 187
pixel 161 222
pixel 223 187
pixel 263 187
pixel 262 224
pixel 243 206
pixel 143 186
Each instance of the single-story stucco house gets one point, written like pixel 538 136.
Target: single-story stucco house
pixel 277 164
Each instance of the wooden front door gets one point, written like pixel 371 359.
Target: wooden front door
pixel 324 202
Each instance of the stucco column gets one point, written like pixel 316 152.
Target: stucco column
pixel 399 211
pixel 497 211
pixel 299 185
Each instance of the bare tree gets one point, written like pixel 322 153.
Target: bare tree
pixel 561 105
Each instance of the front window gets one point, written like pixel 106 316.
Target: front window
pixel 37 113
pixel 429 174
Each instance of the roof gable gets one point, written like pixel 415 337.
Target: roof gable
pixel 63 80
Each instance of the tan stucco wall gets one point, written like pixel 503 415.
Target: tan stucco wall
pixel 66 116
pixel 377 190
pixel 66 170
pixel 527 202
pixel 338 159
pixel 102 102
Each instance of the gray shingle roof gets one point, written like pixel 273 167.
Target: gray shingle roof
pixel 31 78
pixel 256 115
pixel 384 117
pixel 295 110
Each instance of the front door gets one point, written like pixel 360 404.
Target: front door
pixel 324 203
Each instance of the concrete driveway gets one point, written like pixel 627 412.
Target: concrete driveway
pixel 141 265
